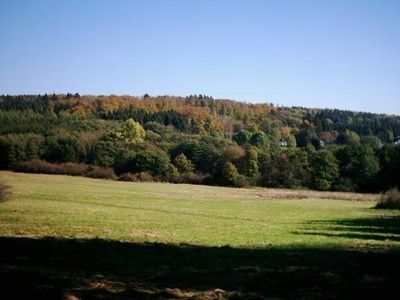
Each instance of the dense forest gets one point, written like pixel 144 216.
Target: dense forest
pixel 198 139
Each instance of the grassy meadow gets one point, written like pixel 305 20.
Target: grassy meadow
pixel 65 237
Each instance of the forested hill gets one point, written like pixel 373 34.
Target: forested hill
pixel 199 139
pixel 203 114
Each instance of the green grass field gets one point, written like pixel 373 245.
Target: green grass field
pixel 64 236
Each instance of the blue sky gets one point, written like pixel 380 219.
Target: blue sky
pixel 336 54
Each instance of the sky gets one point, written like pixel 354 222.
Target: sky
pixel 327 54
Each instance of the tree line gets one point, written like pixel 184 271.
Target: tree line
pixel 198 139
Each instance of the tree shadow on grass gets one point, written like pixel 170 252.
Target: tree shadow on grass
pixel 374 228
pixel 101 269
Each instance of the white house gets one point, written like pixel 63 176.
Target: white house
pixel 283 143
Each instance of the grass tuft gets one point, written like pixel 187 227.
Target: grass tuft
pixel 5 191
pixel 389 200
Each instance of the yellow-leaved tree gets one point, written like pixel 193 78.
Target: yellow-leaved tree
pixel 132 132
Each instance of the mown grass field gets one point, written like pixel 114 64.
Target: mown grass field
pixel 64 236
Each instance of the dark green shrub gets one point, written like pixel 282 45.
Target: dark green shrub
pixel 229 174
pixel 136 177
pixel 100 172
pixel 241 182
pixel 127 177
pixel 144 177
pixel 154 162
pixel 183 164
pixel 324 170
pixel 389 200
pixel 192 178
pixel 344 184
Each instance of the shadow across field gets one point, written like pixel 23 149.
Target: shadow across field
pixel 100 269
pixel 378 228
